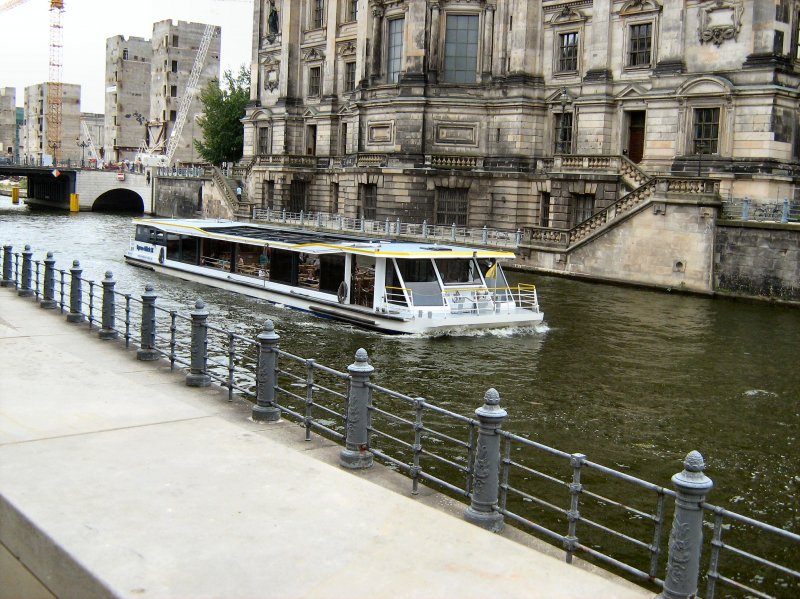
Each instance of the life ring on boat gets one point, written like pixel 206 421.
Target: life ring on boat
pixel 341 294
pixel 161 253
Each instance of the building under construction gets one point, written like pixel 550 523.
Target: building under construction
pixel 145 83
pixel 39 145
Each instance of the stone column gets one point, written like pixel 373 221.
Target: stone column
pixel 377 41
pixel 686 539
pixel 598 43
pixel 414 60
pixel 488 41
pixel 433 58
pixel 670 41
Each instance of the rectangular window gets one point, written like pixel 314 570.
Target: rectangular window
pixel 369 201
pixel 583 208
pixel 268 195
pixel 297 197
pixel 172 116
pixel 640 45
pixel 313 81
pixel 263 140
pixel 311 140
pixel 352 10
pixel 394 56
pixel 173 91
pixel 318 13
pixel 175 41
pixel 343 140
pixel 706 130
pixel 563 133
pixel 544 212
pixel 349 76
pixel 568 51
pixel 174 66
pixel 461 49
pixel 451 206
pixel 125 54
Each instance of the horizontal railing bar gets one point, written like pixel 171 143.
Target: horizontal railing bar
pixel 621 565
pixel 532 525
pixel 614 533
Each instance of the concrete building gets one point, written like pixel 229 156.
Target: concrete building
pixel 8 122
pixel 35 145
pixel 127 105
pixel 175 47
pixel 513 113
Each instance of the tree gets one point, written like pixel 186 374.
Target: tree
pixel 223 132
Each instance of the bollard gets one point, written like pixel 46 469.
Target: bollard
pixel 7 280
pixel 107 330
pixel 49 291
pixel 75 293
pixel 686 538
pixel 486 468
pixel 26 288
pixel 147 349
pixel 356 453
pixel 198 370
pixel 266 409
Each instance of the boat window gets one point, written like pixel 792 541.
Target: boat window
pixel 419 276
pixel 284 267
pixel 189 249
pixel 173 246
pixel 395 293
pixel 216 254
pixel 331 272
pixel 248 260
pixel 363 292
pixel 456 270
pixel 495 278
pixel 143 233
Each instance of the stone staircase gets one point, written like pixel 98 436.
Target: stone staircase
pixel 241 208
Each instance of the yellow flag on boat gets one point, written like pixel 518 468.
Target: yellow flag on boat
pixel 492 272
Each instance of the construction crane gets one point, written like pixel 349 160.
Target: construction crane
pixel 92 149
pixel 162 151
pixel 54 87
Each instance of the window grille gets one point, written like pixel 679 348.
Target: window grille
pixel 394 56
pixel 451 206
pixel 563 131
pixel 263 140
pixel 352 10
pixel 349 76
pixel 369 201
pixel 544 212
pixel 318 13
pixel 313 81
pixel 568 51
pixel 461 49
pixel 583 208
pixel 297 197
pixel 706 130
pixel 640 44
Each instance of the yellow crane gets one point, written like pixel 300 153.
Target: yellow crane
pixel 54 87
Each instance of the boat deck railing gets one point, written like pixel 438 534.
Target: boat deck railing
pixel 507 238
pixel 466 300
pixel 608 516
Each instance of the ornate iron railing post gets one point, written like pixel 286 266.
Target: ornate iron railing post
pixel 785 211
pixel 356 453
pixel 686 538
pixel 49 291
pixel 26 289
pixel 147 348
pixel 746 208
pixel 7 253
pixel 486 469
pixel 266 409
pixel 108 327
pixel 75 313
pixel 198 370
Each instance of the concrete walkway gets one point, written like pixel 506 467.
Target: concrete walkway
pixel 118 480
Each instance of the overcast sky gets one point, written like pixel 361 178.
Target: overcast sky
pixel 25 38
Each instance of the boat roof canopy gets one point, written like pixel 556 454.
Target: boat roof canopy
pixel 315 242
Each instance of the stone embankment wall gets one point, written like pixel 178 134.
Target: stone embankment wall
pixel 668 243
pixel 758 260
pixel 181 197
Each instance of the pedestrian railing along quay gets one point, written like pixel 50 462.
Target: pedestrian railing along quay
pixel 746 209
pixel 507 238
pixel 592 511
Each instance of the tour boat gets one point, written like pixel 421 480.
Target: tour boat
pixel 386 285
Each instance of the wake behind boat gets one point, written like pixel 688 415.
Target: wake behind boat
pixel 385 285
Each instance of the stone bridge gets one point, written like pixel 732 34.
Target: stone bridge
pixel 109 191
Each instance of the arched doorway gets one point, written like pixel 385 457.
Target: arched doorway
pixel 119 200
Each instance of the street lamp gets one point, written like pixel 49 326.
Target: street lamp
pixel 54 145
pixel 82 145
pixel 699 148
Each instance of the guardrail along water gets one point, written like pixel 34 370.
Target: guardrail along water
pixel 665 533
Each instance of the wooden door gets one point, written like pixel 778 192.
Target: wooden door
pixel 636 135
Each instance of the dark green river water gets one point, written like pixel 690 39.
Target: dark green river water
pixel 634 379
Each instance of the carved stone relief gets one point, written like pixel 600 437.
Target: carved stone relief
pixel 720 21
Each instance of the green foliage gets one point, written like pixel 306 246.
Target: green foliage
pixel 223 107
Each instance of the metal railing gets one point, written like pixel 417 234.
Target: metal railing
pixel 507 238
pixel 746 209
pixel 608 516
pixel 193 172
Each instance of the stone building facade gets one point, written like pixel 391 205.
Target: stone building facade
pixel 145 81
pixel 512 113
pixel 8 122
pixel 127 98
pixel 35 146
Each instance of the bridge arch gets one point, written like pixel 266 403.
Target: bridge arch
pixel 119 200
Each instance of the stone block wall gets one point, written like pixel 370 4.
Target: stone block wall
pixel 758 259
pixel 181 198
